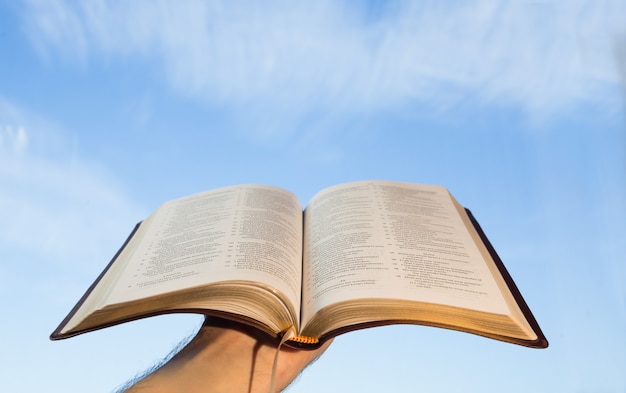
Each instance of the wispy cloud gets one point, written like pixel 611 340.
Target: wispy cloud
pixel 541 56
pixel 13 140
pixel 54 204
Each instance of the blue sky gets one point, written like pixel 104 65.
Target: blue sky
pixel 108 109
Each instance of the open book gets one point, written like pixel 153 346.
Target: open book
pixel 361 254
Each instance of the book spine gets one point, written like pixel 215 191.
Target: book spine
pixel 305 340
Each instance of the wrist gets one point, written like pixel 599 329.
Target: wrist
pixel 217 359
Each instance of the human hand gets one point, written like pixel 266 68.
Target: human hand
pixel 226 356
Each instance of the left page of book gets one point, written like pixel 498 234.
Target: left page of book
pixel 247 233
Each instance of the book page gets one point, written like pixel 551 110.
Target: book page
pixel 249 232
pixel 392 240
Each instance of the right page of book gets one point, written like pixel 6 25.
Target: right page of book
pixel 390 240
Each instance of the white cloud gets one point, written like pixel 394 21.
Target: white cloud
pixel 55 206
pixel 13 140
pixel 541 56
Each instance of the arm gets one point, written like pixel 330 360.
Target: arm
pixel 226 357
